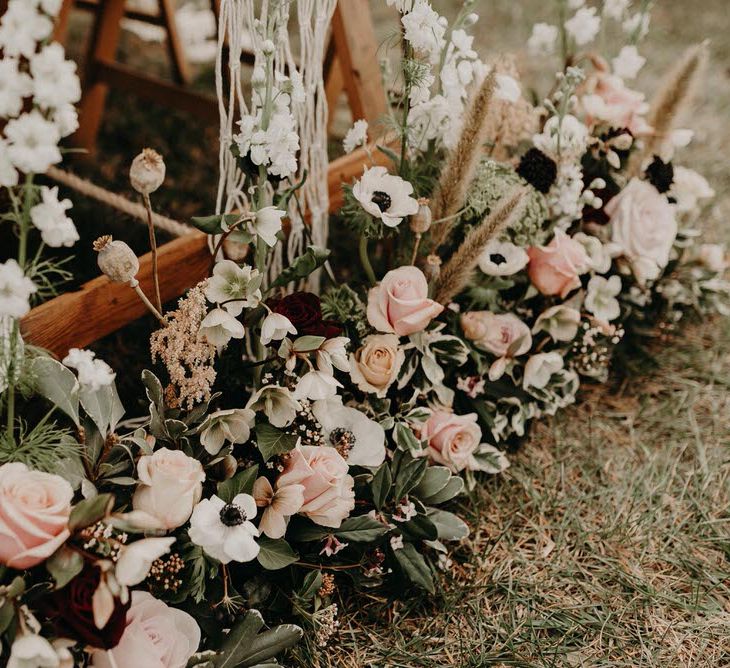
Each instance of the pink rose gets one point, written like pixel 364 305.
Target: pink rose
pixel 643 226
pixel 555 269
pixel 400 303
pixel 34 512
pixel 156 636
pixel 453 440
pixel 610 101
pixel 502 334
pixel 328 489
pixel 170 486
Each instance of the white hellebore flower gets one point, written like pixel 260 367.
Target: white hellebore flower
pixel 332 354
pixel 224 530
pixel 279 504
pixel 234 287
pixel 277 403
pixel 93 373
pixel 601 297
pixel 219 327
pixel 599 258
pixel 503 258
pixel 356 136
pixel 49 216
pixel 135 559
pixel 361 440
pixel 32 651
pixel 275 328
pixel 540 368
pixel 385 196
pixel 15 290
pixel 560 322
pixel 268 224
pixel 232 425
pixel 316 385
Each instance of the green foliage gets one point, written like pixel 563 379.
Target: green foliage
pixel 215 224
pixel 414 567
pixel 307 263
pixel 42 448
pixel 57 383
pixel 275 554
pixel 272 441
pixel 241 483
pixel 90 511
pixel 343 305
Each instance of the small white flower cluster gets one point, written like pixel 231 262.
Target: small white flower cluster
pixel 38 88
pixel 93 373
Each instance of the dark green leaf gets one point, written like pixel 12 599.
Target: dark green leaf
pixel 303 530
pixel 214 224
pixel 311 260
pixel 275 554
pixel 449 526
pixel 64 566
pixel 419 527
pixel 361 529
pixel 310 586
pixel 241 483
pixel 89 511
pixel 381 484
pixel 414 567
pixel 272 441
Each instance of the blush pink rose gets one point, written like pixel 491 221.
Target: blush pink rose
pixel 453 440
pixel 555 269
pixel 170 484
pixel 610 101
pixel 156 636
pixel 34 512
pixel 328 489
pixel 399 304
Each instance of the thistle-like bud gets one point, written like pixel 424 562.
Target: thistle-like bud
pixel 432 268
pixel 147 171
pixel 116 260
pixel 421 221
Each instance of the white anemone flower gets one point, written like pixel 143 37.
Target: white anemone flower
pixel 342 426
pixel 232 425
pixel 601 297
pixel 385 196
pixel 502 258
pixel 219 327
pixel 275 328
pixel 316 385
pixel 234 287
pixel 224 530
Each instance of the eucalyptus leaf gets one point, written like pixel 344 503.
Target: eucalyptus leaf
pixel 58 384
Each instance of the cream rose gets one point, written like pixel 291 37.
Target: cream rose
pixel 399 303
pixel 644 227
pixel 555 269
pixel 453 440
pixel 328 489
pixel 156 636
pixel 375 366
pixel 34 512
pixel 170 484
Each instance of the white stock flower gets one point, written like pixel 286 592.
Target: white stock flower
pixel 232 425
pixel 615 9
pixel 628 62
pixel 637 25
pixel 540 368
pixel 219 327
pixel 32 651
pixel 14 86
pixel 599 258
pixel 268 224
pixel 8 173
pixel 584 25
pixel 507 89
pixel 601 297
pixel 49 216
pixel 402 6
pixel 135 559
pixel 363 438
pixel 569 136
pixel 385 196
pixel 503 258
pixel 542 40
pixel 93 373
pixel 560 322
pixel 424 29
pixel 15 290
pixel 276 327
pixel 316 385
pixel 22 27
pixel 66 119
pixel 55 82
pixel 33 142
pixel 356 136
pixel 224 530
pixel 234 287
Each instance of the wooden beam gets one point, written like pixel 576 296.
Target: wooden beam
pixel 100 307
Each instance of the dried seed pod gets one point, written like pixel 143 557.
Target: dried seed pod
pixel 147 171
pixel 116 260
pixel 421 221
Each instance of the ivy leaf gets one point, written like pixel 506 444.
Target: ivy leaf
pixel 275 554
pixel 414 567
pixel 64 566
pixel 272 441
pixel 361 529
pixel 241 483
pixel 57 384
pixel 311 260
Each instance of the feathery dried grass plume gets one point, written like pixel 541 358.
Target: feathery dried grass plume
pixel 463 161
pixel 674 96
pixel 456 273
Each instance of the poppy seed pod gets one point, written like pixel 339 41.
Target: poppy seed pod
pixel 147 171
pixel 421 221
pixel 116 260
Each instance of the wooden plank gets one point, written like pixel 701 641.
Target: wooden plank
pixel 100 307
pixel 60 32
pixel 180 69
pixel 357 51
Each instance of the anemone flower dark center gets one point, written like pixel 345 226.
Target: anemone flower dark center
pixel 381 200
pixel 232 515
pixel 497 258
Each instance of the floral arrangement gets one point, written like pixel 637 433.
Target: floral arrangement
pixel 297 443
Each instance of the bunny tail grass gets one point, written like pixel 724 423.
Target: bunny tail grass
pixel 673 97
pixel 458 270
pixel 462 162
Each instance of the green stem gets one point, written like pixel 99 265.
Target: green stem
pixel 365 260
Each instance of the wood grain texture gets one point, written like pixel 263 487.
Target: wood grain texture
pixel 100 307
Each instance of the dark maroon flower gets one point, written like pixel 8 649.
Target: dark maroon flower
pixel 71 611
pixel 304 311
